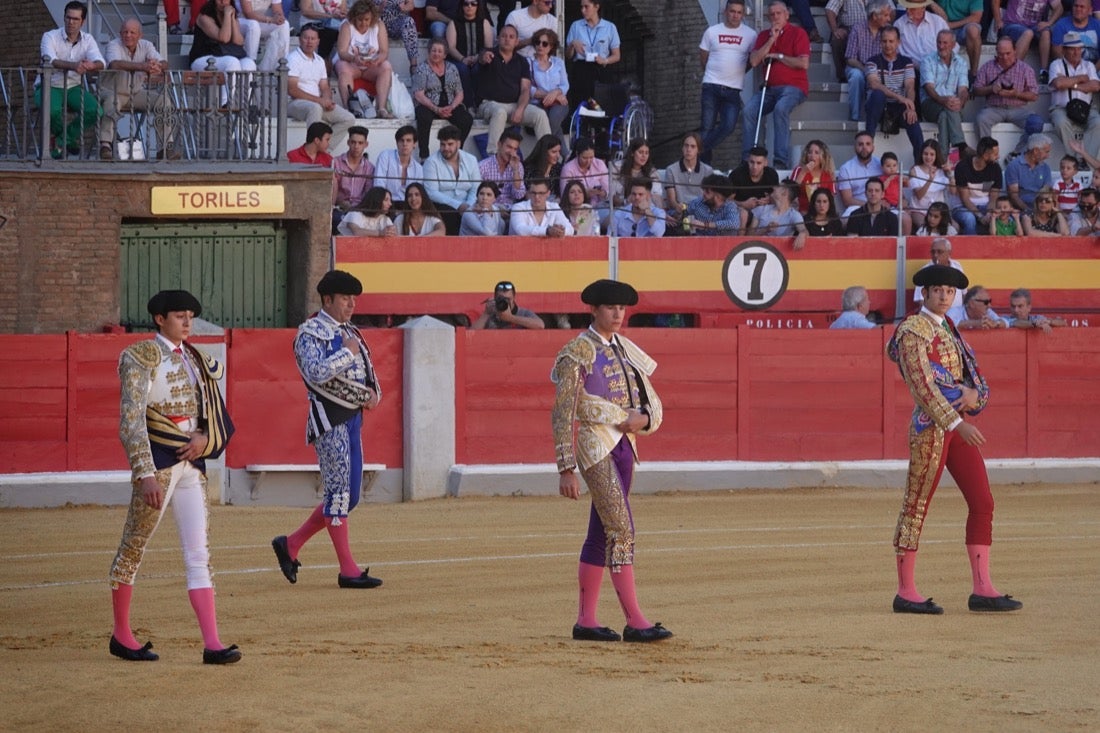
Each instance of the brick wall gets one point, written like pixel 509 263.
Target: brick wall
pixel 59 245
pixel 23 29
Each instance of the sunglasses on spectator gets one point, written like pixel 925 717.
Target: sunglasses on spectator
pixel 470 5
pixel 544 43
pixel 984 301
pixel 505 285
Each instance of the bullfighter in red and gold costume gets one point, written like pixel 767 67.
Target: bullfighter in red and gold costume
pixel 603 386
pixel 943 377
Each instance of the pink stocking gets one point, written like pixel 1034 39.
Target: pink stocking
pixel 979 568
pixel 628 597
pixel 907 584
pixel 202 600
pixel 310 527
pixel 589 577
pixel 120 604
pixel 339 536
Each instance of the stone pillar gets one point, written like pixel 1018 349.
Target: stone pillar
pixel 429 407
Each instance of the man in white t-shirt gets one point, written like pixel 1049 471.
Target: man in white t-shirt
pixel 530 19
pixel 851 178
pixel 724 56
pixel 310 95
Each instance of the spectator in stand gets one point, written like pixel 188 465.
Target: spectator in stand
pixel 1028 174
pixel 172 16
pixel 308 88
pixel 574 204
pixel 714 213
pixel 1006 219
pixel 545 161
pixel 940 249
pixel 440 14
pixel 549 82
pixel 805 19
pixel 1009 87
pixel 937 222
pixel 1079 21
pixel 501 311
pixel 470 36
pixel 591 45
pixel 395 15
pixel 362 52
pixel 978 183
pixel 780 218
pixel 930 180
pixel 73 53
pixel 1046 220
pixel 815 170
pixel 920 31
pixel 528 20
pixel 218 39
pixel 873 219
pixel 856 171
pixel 1022 317
pixel 752 181
pixel 371 218
pixel 451 176
pixel 640 217
pixel 537 217
pixel 315 149
pixel 855 304
pixel 965 17
pixel 505 169
pixel 1085 222
pixel 683 177
pixel 504 83
pixel 419 218
pixel 979 316
pixel 397 167
pixel 483 219
pixel 1072 79
pixel 262 19
pixel 1067 187
pixel 437 92
pixel 787 49
pixel 892 80
pixel 945 91
pixel 724 55
pixel 864 44
pixel 592 172
pixel 822 219
pixel 636 163
pixel 325 16
pixel 892 187
pixel 131 61
pixel 352 174
pixel 1025 20
pixel 842 16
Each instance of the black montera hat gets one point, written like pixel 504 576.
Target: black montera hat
pixel 609 292
pixel 926 277
pixel 338 282
pixel 167 301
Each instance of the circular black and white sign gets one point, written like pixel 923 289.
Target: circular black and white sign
pixel 755 275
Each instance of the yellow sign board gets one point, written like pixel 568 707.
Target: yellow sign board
pixel 217 200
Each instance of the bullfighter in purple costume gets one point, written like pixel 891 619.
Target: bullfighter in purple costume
pixel 603 385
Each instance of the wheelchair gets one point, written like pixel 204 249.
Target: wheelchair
pixel 618 116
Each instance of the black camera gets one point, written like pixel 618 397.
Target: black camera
pixel 502 303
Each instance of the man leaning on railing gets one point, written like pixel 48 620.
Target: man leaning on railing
pixel 75 53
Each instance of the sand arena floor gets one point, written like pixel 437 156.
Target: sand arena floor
pixel 780 602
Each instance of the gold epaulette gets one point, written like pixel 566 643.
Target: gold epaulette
pixel 919 326
pixel 146 353
pixel 581 350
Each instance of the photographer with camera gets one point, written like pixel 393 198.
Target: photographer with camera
pixel 501 311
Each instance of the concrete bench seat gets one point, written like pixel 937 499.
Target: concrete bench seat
pixel 260 471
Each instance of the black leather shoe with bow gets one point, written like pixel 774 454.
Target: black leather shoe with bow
pixel 656 632
pixel 927 606
pixel 595 633
pixel 288 565
pixel 229 655
pixel 994 603
pixel 133 655
pixel 363 581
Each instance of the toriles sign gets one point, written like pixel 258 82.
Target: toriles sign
pixel 216 200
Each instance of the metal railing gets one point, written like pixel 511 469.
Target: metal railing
pixel 206 115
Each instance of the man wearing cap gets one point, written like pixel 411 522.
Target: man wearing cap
pixel 942 375
pixel 340 383
pixel 172 419
pixel 501 311
pixel 603 385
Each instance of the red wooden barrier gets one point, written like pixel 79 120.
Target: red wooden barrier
pixel 33 397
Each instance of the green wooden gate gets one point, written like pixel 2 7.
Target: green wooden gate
pixel 237 270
